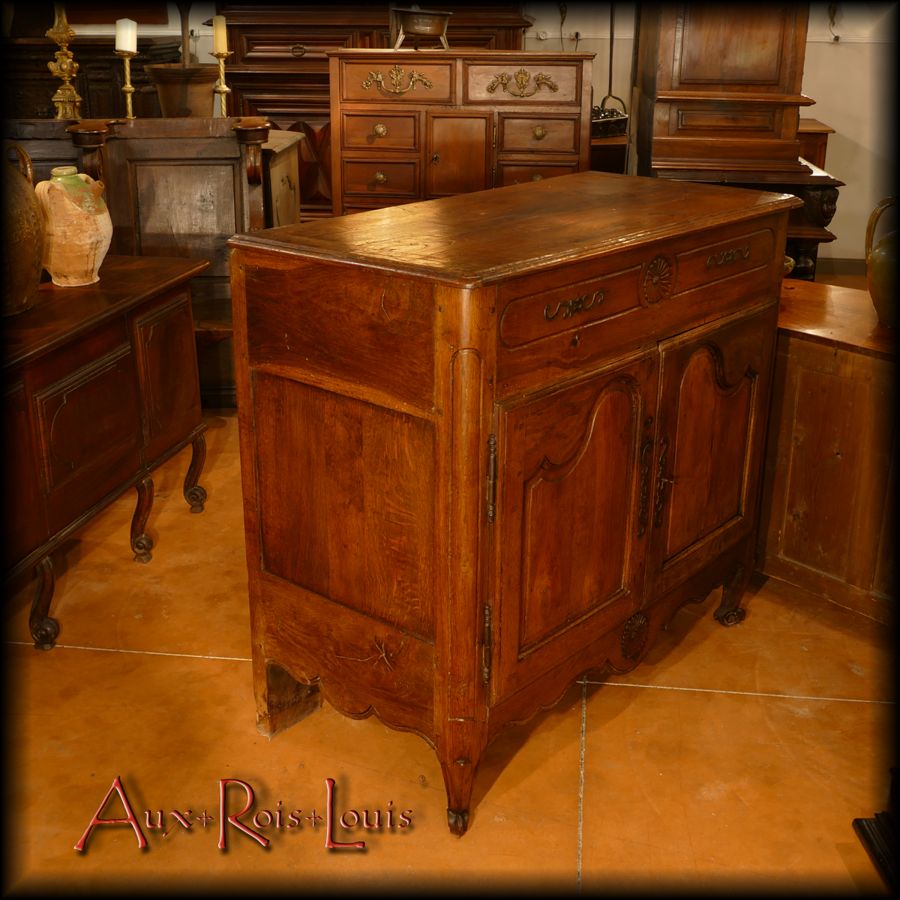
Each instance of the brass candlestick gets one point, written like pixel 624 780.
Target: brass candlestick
pixel 221 88
pixel 127 88
pixel 66 99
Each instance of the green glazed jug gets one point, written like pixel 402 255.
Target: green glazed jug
pixel 881 267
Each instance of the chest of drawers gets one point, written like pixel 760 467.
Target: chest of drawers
pixel 493 441
pixel 415 125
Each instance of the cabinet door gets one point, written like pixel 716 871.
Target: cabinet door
pixel 572 520
pixel 167 366
pixel 458 153
pixel 713 402
pixel 24 519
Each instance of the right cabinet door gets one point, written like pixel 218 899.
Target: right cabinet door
pixel 711 421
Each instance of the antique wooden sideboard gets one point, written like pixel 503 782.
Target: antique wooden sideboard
pixel 280 64
pixel 828 510
pixel 492 441
pixel 419 124
pixel 100 387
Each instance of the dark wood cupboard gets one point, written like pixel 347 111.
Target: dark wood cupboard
pixel 279 67
pixel 718 100
pixel 100 387
pixel 492 441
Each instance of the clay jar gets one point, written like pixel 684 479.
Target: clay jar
pixel 881 267
pixel 77 226
pixel 23 235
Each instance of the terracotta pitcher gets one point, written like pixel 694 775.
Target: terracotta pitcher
pixel 23 235
pixel 77 226
pixel 881 261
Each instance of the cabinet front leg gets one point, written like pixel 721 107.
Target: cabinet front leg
pixel 141 542
pixel 44 629
pixel 194 494
pixel 729 611
pixel 459 760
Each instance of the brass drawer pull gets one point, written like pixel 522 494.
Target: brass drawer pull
pixel 435 158
pixel 539 132
pixel 380 130
pixel 298 50
pixel 380 178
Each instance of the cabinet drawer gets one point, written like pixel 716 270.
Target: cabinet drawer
pixel 523 83
pixel 286 46
pixel 385 130
pixel 538 134
pixel 741 254
pixel 521 172
pixel 395 178
pixel 406 82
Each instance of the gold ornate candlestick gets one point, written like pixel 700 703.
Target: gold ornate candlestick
pixel 66 99
pixel 221 88
pixel 127 88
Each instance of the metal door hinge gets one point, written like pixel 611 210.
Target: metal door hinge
pixel 486 647
pixel 492 479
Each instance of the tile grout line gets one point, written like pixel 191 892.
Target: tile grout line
pixel 666 687
pixel 137 652
pixel 579 844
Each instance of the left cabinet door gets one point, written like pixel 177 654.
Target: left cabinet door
pixel 571 521
pixel 24 519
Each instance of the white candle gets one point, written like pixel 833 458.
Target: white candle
pixel 126 35
pixel 220 36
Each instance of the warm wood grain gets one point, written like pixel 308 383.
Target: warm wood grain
pixel 829 516
pixel 492 441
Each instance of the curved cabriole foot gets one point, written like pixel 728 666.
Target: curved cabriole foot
pixel 44 629
pixel 458 820
pixel 194 494
pixel 141 542
pixel 729 611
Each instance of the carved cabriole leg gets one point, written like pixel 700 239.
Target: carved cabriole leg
pixel 141 542
pixel 44 629
pixel 193 492
pixel 461 694
pixel 729 611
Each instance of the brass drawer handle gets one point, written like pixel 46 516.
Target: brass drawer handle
pixel 380 130
pixel 539 132
pixel 380 178
pixel 298 50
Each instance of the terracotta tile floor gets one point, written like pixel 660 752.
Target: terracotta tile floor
pixel 733 759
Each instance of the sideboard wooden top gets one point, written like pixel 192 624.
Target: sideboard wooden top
pixel 485 236
pixel 842 317
pixel 62 312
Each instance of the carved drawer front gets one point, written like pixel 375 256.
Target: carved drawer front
pixel 519 173
pixel 387 131
pixel 747 254
pixel 564 309
pixel 727 120
pixel 526 83
pixel 538 134
pixel 406 81
pixel 398 179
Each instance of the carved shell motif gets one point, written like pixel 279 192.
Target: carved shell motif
pixel 659 279
pixel 634 636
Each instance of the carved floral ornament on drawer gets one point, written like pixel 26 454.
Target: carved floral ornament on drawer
pixel 521 87
pixel 396 78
